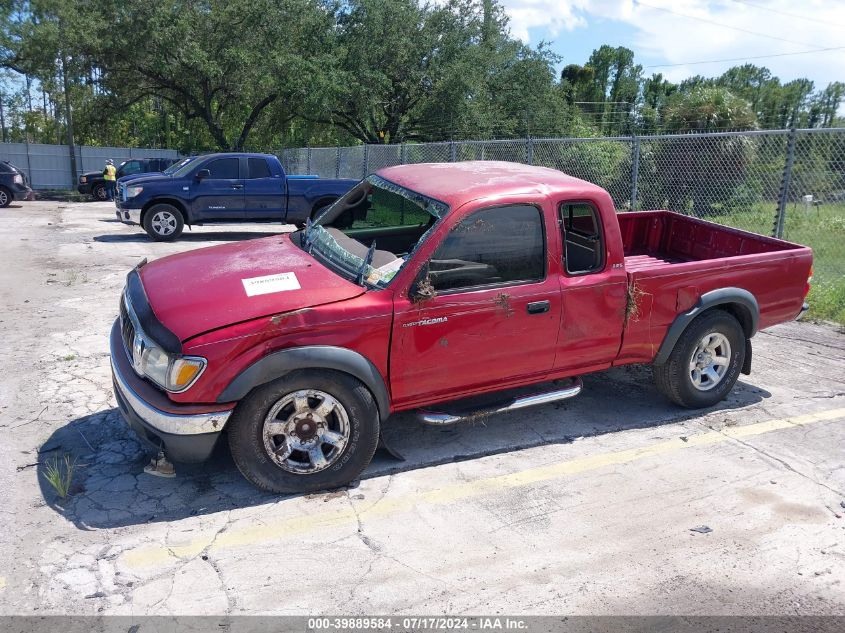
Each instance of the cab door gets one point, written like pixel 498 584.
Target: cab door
pixel 220 194
pixel 594 288
pixel 496 314
pixel 264 192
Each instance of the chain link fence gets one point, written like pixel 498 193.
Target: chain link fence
pixel 49 166
pixel 785 183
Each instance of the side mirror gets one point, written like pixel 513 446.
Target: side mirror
pixel 422 290
pixel 202 173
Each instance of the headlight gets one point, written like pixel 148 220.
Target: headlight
pixel 131 192
pixel 18 179
pixel 154 363
pixel 83 179
pixel 174 374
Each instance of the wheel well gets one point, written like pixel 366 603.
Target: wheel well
pixel 176 203
pixel 312 357
pixel 322 202
pixel 739 312
pixel 737 302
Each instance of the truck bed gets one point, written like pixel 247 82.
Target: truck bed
pixel 653 239
pixel 671 260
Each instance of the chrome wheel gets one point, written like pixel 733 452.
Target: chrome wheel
pixel 710 361
pixel 100 192
pixel 306 431
pixel 164 223
pixel 4 198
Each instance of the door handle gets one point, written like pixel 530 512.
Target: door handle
pixel 538 307
pixel 237 186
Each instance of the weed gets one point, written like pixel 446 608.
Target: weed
pixel 59 474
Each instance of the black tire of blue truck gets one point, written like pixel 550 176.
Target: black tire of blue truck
pixel 98 191
pixel 248 441
pixel 163 222
pixel 6 197
pixel 675 378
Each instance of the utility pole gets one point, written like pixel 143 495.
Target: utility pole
pixel 3 119
pixel 487 32
pixel 69 120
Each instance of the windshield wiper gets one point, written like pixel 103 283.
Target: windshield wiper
pixel 359 279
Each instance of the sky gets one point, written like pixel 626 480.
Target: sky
pixel 668 36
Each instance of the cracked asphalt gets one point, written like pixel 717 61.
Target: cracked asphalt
pixel 584 507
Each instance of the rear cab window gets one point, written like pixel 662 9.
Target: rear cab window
pixel 583 241
pixel 258 168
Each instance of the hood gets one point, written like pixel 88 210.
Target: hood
pixel 138 176
pixel 93 174
pixel 209 288
pixel 141 179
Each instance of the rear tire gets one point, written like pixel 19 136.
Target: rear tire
pixel 163 222
pixel 705 362
pixel 5 197
pixel 309 430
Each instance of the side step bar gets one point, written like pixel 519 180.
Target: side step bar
pixel 463 411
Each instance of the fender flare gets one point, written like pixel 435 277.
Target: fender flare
pixel 310 357
pixel 744 301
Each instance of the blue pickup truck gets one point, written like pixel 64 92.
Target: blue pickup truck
pixel 230 187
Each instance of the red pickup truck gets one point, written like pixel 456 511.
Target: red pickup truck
pixel 458 290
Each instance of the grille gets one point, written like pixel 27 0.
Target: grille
pixel 127 329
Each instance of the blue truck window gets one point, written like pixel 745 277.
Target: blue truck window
pixel 258 168
pixel 223 168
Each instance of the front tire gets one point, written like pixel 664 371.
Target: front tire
pixel 307 431
pixel 163 222
pixel 99 192
pixel 705 362
pixel 5 197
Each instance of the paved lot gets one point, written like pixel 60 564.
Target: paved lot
pixel 579 508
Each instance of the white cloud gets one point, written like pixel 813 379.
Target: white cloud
pixel 670 38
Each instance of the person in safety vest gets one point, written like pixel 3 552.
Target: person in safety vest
pixel 110 176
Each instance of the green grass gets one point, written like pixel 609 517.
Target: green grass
pixel 59 474
pixel 822 229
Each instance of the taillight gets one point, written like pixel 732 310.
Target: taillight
pixel 807 286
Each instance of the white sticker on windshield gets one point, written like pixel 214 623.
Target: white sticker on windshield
pixel 267 284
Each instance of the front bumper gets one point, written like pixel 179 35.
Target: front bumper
pixel 84 187
pixel 186 433
pixel 125 214
pixel 21 193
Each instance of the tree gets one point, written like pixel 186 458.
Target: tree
pixel 615 87
pixel 221 62
pixel 706 109
pixel 656 93
pixel 696 174
pixel 825 105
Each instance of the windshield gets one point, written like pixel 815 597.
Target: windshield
pixel 369 234
pixel 180 168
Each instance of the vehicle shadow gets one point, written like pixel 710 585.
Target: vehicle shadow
pixel 111 490
pixel 206 236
